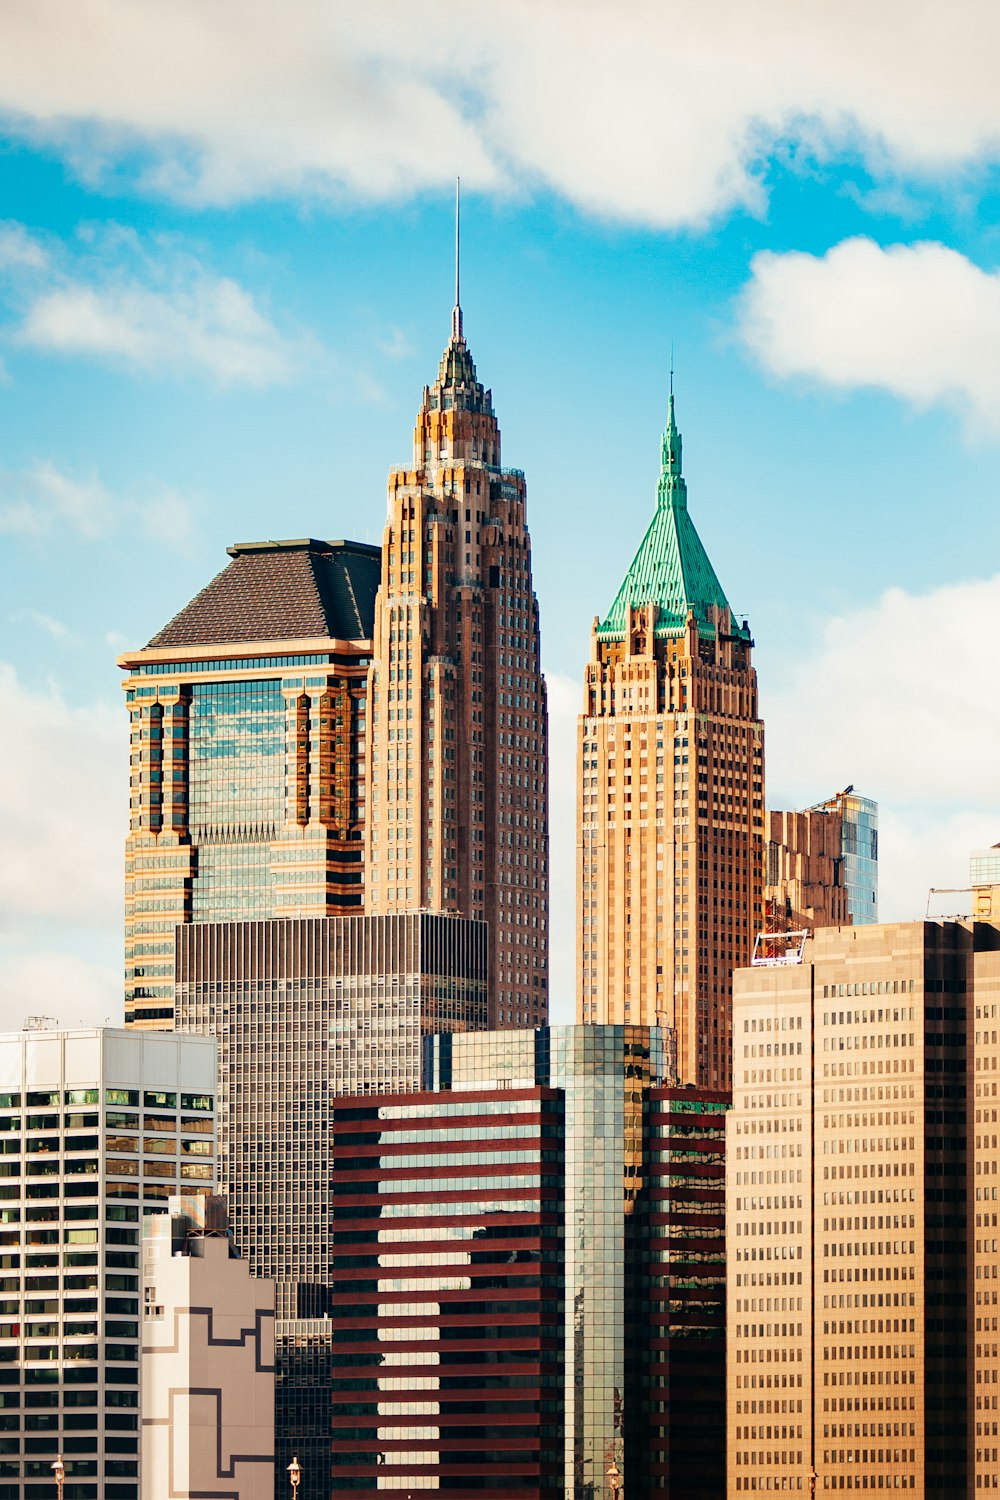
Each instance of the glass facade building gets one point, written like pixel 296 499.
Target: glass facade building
pixel 247 744
pixel 305 1009
pixel 860 842
pixel 529 1272
pixel 984 866
pixel 97 1128
pixel 859 851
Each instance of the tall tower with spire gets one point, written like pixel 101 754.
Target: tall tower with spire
pixel 670 795
pixel 458 725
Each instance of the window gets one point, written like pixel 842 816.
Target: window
pixel 154 1100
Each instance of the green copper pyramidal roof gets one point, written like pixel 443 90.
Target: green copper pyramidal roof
pixel 671 568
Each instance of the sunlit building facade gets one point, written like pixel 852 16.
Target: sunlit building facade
pixel 207 1360
pixel 247 791
pixel 804 879
pixel 862 1185
pixel 458 751
pixel 670 789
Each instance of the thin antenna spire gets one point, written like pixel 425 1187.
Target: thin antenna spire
pixel 671 369
pixel 456 317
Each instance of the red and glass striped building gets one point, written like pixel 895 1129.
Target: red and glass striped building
pixel 529 1275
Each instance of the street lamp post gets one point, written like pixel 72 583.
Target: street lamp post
pixel 615 1479
pixel 59 1470
pixel 295 1475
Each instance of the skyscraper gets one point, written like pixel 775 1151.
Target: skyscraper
pixel 247 719
pixel 861 1212
pixel 458 766
pixel 670 793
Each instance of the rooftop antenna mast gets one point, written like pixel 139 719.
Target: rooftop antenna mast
pixel 456 317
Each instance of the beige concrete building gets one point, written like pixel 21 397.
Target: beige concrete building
pixel 862 1171
pixel 457 757
pixel 207 1361
pixel 670 811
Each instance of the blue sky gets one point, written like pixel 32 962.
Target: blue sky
pixel 225 275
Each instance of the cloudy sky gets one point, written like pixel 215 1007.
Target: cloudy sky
pixel 225 275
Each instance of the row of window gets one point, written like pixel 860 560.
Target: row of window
pixel 151 1099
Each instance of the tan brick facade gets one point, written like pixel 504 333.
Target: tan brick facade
pixel 669 798
pixel 458 760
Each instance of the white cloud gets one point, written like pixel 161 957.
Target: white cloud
pixel 39 501
pixel 62 810
pixel 53 627
pixel 918 320
pixel 140 305
pixel 212 328
pixel 61 986
pixel 166 518
pixel 395 345
pixel 895 699
pixel 20 250
pixel 208 327
pixel 656 111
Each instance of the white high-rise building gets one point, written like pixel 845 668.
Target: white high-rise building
pixel 97 1128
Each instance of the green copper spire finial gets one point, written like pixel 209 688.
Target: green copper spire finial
pixel 672 489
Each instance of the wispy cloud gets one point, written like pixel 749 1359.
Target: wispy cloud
pixel 148 306
pixel 395 345
pixel 37 501
pixel 42 500
pixel 657 112
pixel 51 626
pixel 920 321
pixel 212 328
